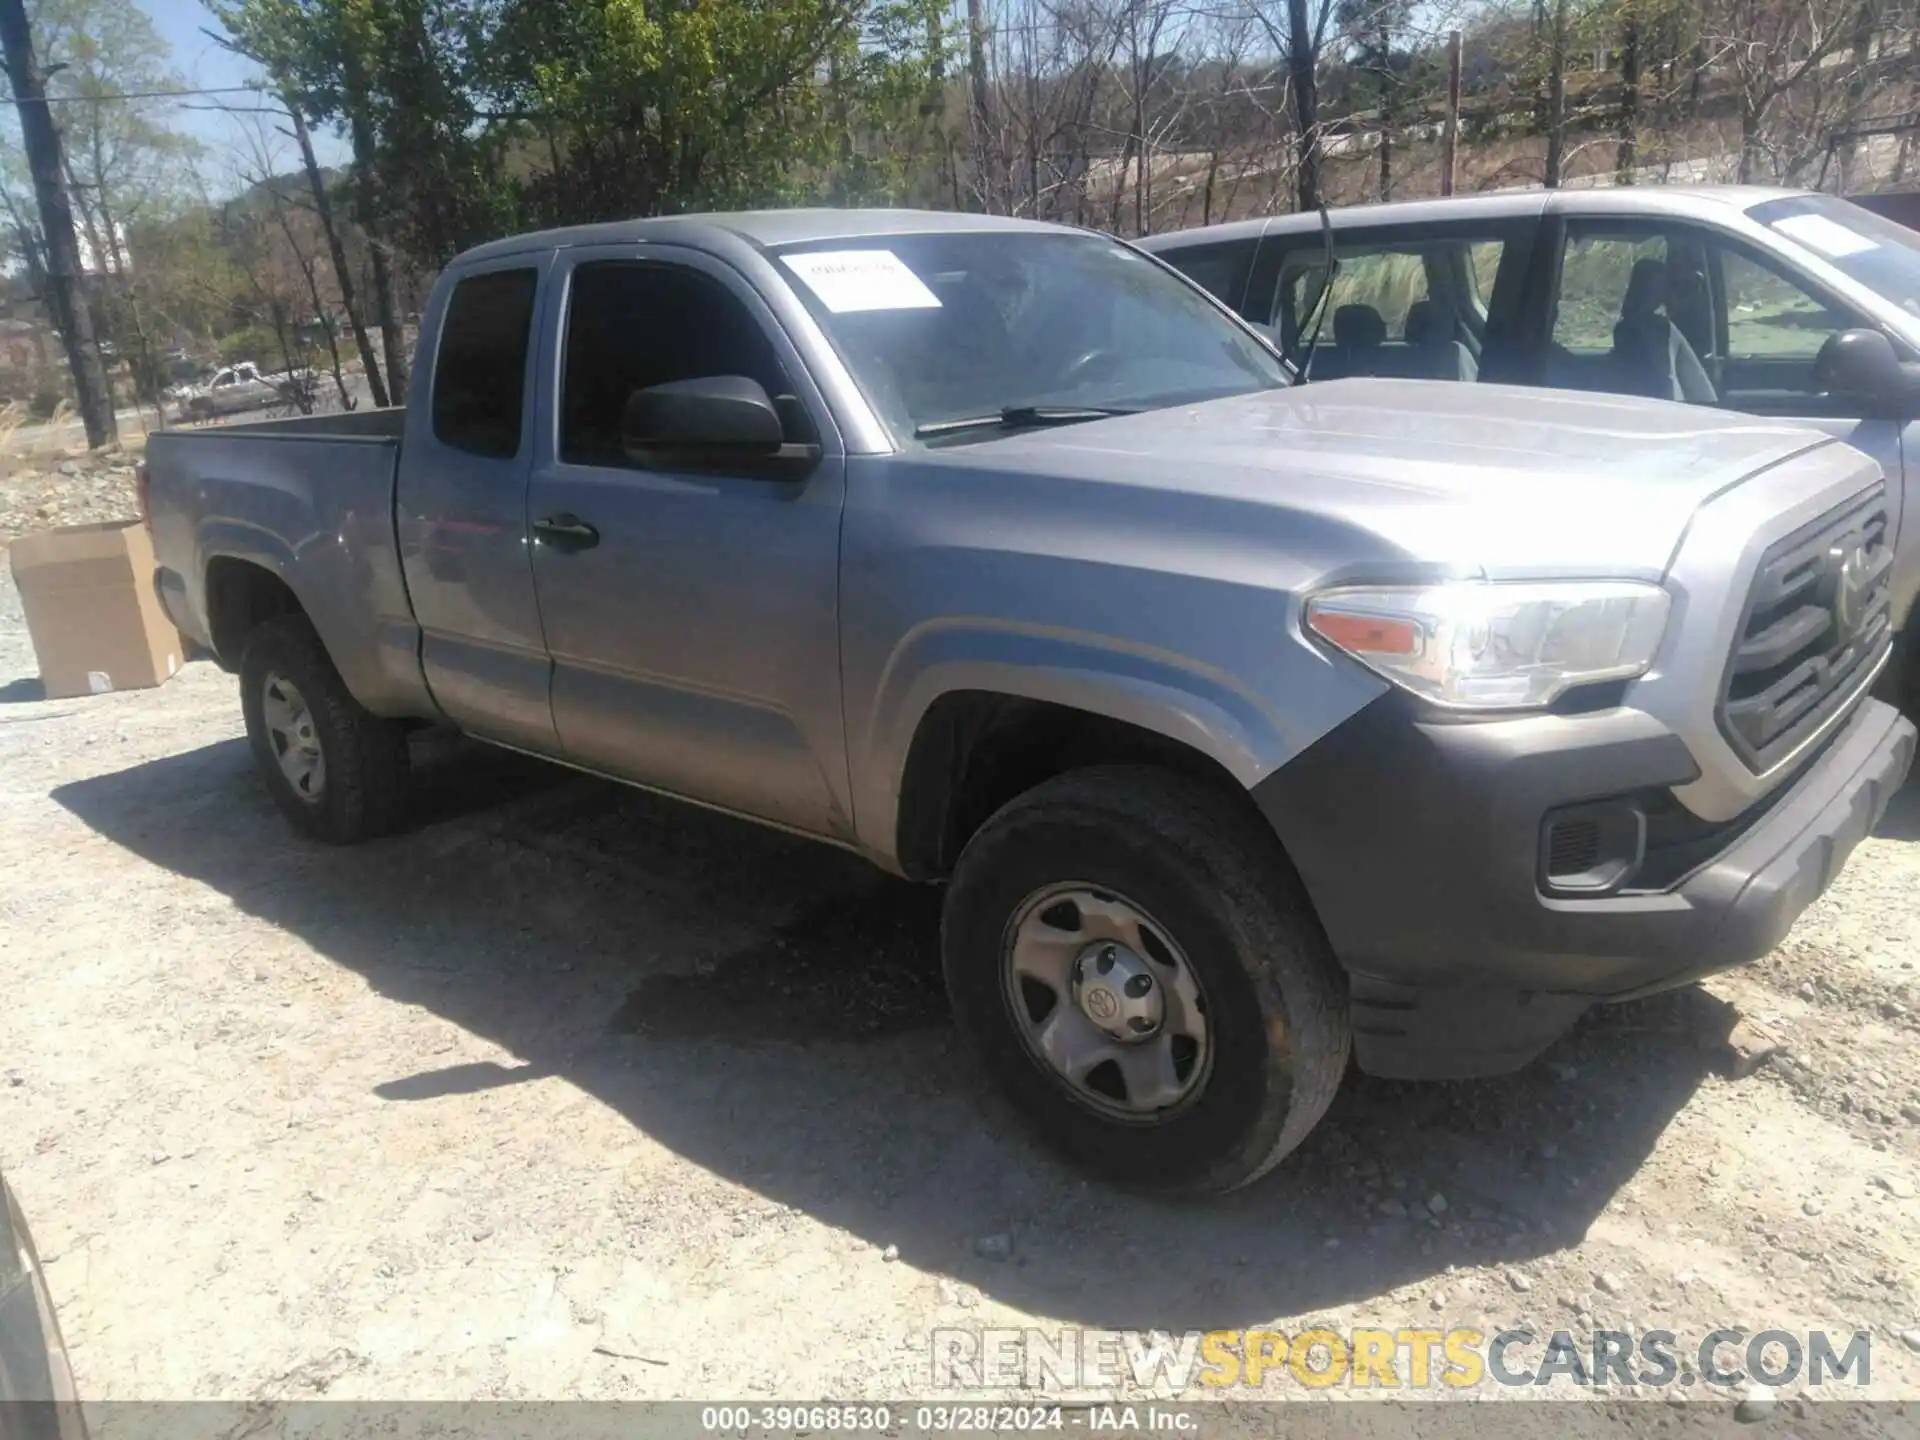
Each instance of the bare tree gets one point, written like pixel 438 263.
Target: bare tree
pixel 61 252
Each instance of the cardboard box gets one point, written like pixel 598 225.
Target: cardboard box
pixel 97 623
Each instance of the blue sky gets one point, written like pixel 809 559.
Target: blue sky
pixel 204 64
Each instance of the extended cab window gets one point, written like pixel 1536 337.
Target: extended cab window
pixel 479 380
pixel 631 325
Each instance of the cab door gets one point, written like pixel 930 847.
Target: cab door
pixel 691 611
pixel 461 506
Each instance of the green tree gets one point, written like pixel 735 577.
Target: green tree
pixel 127 165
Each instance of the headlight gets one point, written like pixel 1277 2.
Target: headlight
pixel 1479 645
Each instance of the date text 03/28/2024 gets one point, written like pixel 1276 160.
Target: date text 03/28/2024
pixel 945 1419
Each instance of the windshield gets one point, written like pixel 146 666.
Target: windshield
pixel 1882 255
pixel 1019 329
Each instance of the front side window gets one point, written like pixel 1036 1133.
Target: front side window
pixel 1691 314
pixel 1770 317
pixel 479 382
pixel 1011 328
pixel 633 325
pixel 1775 331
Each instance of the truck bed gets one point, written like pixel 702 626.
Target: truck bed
pixel 312 494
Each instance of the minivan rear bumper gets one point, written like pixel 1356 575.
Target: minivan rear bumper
pixel 1420 842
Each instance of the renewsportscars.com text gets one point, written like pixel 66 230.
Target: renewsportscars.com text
pixel 1365 1358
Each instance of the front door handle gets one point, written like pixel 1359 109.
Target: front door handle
pixel 565 533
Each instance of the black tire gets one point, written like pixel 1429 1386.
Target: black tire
pixel 364 789
pixel 1207 869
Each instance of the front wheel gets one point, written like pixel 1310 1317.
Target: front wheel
pixel 336 770
pixel 1129 953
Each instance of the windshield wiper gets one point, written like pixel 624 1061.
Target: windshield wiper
pixel 1014 417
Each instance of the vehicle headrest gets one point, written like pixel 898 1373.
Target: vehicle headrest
pixel 1646 288
pixel 1358 327
pixel 1423 324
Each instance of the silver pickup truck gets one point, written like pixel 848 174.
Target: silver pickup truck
pixel 1249 726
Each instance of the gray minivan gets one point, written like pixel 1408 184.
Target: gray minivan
pixel 1780 303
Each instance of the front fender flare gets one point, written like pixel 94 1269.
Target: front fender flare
pixel 1214 714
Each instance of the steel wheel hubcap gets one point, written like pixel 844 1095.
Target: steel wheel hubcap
pixel 1106 1000
pixel 290 729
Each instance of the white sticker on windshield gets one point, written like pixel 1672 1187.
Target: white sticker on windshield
pixel 1829 237
pixel 849 280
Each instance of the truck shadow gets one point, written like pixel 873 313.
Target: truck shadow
pixel 772 1010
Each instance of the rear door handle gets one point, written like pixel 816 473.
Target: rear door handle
pixel 565 532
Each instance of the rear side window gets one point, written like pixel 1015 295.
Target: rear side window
pixel 1219 268
pixel 479 381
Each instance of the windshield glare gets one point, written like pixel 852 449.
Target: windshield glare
pixel 937 328
pixel 1869 248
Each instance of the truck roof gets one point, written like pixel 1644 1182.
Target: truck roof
pixel 1500 204
pixel 761 228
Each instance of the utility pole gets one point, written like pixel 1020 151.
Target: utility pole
pixel 1303 53
pixel 983 148
pixel 1450 140
pixel 62 258
pixel 1557 100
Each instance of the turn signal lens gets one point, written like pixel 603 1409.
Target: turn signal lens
pixel 1480 645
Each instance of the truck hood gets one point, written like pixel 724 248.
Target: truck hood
pixel 1489 478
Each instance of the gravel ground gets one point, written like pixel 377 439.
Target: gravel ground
pixel 46 488
pixel 570 1092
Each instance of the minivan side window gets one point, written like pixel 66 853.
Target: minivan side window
pixel 479 381
pixel 631 325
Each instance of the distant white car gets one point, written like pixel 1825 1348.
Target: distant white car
pixel 235 388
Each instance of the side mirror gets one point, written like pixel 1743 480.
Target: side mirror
pixel 719 414
pixel 1861 365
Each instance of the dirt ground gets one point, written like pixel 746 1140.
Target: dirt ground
pixel 571 1092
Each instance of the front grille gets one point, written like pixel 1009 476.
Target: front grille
pixel 1817 619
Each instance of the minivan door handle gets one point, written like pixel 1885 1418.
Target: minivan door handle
pixel 565 533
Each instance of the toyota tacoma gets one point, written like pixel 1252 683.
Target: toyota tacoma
pixel 1250 726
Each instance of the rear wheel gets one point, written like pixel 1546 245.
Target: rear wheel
pixel 1129 953
pixel 336 770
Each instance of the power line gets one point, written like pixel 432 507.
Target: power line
pixel 144 95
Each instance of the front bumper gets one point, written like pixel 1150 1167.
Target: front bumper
pixel 1419 841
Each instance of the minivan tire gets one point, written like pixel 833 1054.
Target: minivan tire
pixel 1210 890
pixel 287 681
